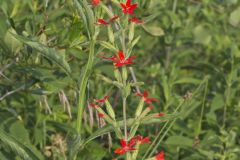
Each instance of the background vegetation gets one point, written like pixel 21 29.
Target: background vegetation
pixel 188 49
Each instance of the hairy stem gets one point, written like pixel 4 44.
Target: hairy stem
pixel 125 118
pixel 83 86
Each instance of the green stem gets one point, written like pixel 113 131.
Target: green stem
pixel 125 118
pixel 83 86
pixel 228 92
pixel 202 110
pixel 128 156
pixel 162 129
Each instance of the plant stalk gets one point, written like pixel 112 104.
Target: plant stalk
pixel 125 118
pixel 83 86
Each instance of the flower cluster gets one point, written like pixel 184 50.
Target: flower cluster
pixel 122 59
pixel 95 2
pixel 145 97
pixel 129 146
pixel 127 8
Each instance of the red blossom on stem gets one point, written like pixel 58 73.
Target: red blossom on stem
pixel 101 100
pixel 120 59
pixel 145 140
pixel 104 22
pixel 95 2
pixel 135 20
pixel 160 156
pixel 125 147
pixel 128 8
pixel 140 140
pixel 145 96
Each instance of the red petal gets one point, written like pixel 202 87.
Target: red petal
pixel 160 156
pixel 134 140
pixel 120 151
pixel 101 100
pixel 135 20
pixel 118 64
pixel 145 94
pixel 101 115
pixel 105 97
pixel 114 18
pixel 102 22
pixel 131 9
pixel 129 60
pixel 93 105
pixel 160 114
pixel 145 140
pixel 150 100
pixel 128 3
pixel 139 94
pixel 130 149
pixel 114 58
pixel 121 55
pixel 123 143
pixel 123 6
pixel 95 2
pixel 150 107
pixel 132 57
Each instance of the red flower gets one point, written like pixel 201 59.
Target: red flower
pixel 101 100
pixel 135 20
pixel 101 115
pixel 139 139
pixel 145 96
pixel 160 156
pixel 145 140
pixel 125 147
pixel 104 22
pixel 120 59
pixel 128 8
pixel 95 2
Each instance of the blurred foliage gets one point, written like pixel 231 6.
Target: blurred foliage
pixel 182 44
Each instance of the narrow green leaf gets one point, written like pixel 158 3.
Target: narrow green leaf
pixel 154 30
pixel 50 53
pixel 180 141
pixel 108 46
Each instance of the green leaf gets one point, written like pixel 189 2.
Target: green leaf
pixel 108 46
pixel 50 53
pixel 146 121
pixel 202 35
pixel 180 141
pixel 187 80
pixel 13 44
pixel 18 147
pixel 234 18
pixel 154 30
pixel 18 130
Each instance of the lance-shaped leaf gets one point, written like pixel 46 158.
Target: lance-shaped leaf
pixel 50 53
pixel 110 109
pixel 130 121
pixel 24 151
